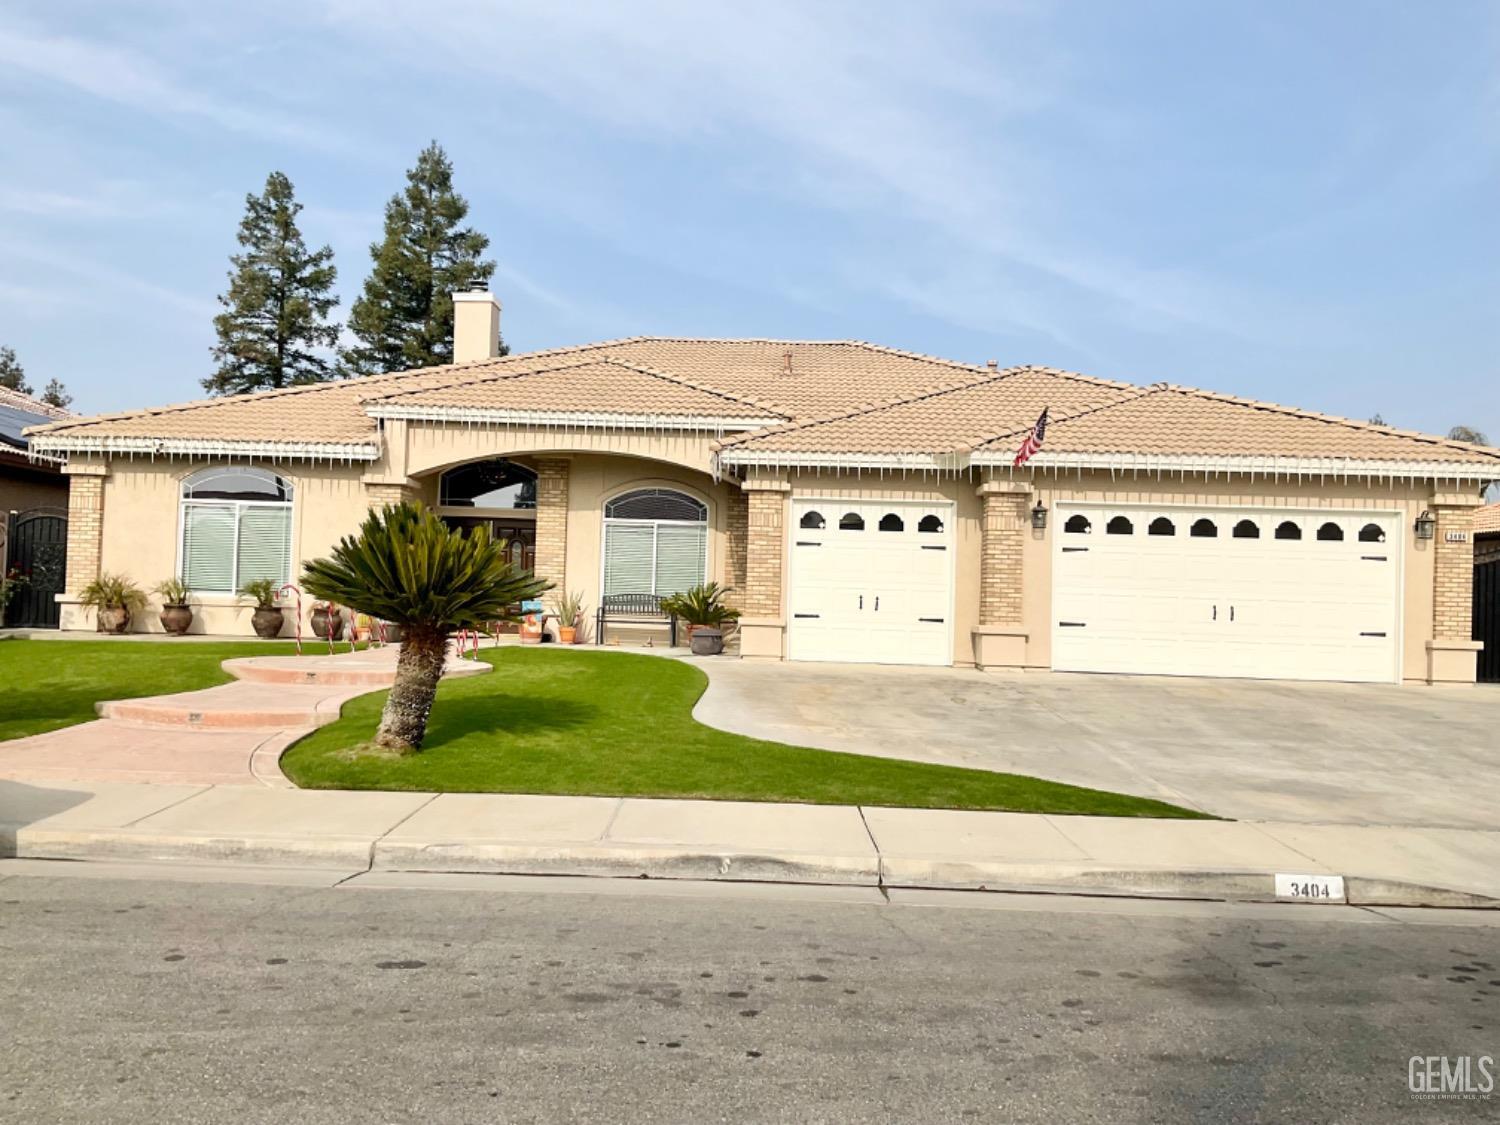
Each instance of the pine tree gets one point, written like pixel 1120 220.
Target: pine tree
pixel 57 395
pixel 404 317
pixel 275 313
pixel 12 374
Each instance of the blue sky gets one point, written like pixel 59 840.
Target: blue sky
pixel 1288 202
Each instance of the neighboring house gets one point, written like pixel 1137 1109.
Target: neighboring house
pixel 33 506
pixel 861 501
pixel 1487 590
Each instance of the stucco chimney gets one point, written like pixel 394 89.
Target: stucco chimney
pixel 476 325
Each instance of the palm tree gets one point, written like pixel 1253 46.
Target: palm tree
pixel 408 567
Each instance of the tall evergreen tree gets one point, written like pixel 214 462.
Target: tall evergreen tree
pixel 12 374
pixel 404 317
pixel 55 394
pixel 275 313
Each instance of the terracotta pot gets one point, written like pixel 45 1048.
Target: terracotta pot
pixel 686 630
pixel 114 619
pixel 320 622
pixel 531 630
pixel 567 634
pixel 267 621
pixel 176 619
pixel 706 641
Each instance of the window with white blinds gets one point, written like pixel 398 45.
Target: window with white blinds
pixel 243 533
pixel 656 556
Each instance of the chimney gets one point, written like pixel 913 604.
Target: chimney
pixel 993 365
pixel 476 324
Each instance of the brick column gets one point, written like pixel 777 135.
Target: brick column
pixel 85 539
pixel 763 626
pixel 1000 640
pixel 1453 654
pixel 552 521
pixel 379 495
pixel 736 536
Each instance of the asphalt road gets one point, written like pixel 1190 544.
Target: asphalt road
pixel 476 999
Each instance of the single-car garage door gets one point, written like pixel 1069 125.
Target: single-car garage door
pixel 1263 593
pixel 871 582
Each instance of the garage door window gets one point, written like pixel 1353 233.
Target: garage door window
pixel 1331 532
pixel 930 525
pixel 852 521
pixel 1204 529
pixel 655 542
pixel 1077 525
pixel 1288 530
pixel 1119 526
pixel 1247 529
pixel 892 522
pixel 1371 533
pixel 1162 526
pixel 813 521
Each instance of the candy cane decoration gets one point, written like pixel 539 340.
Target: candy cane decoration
pixel 282 593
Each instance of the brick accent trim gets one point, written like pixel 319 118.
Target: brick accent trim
pixel 736 538
pixel 379 495
pixel 765 548
pixel 1002 541
pixel 552 520
pixel 85 530
pixel 1453 574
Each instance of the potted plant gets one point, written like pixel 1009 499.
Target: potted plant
pixel 326 617
pixel 268 616
pixel 11 581
pixel 569 609
pixel 115 597
pixel 176 614
pixel 703 614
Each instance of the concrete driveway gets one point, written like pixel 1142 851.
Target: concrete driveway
pixel 1255 750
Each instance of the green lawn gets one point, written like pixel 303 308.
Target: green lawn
pixel 45 685
pixel 617 724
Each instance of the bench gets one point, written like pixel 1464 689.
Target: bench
pixel 635 609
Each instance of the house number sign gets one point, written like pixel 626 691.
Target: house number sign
pixel 1456 537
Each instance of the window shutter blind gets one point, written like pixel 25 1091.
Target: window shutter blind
pixel 628 549
pixel 265 544
pixel 208 547
pixel 681 552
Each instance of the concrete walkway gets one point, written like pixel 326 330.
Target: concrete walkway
pixel 230 734
pixel 600 836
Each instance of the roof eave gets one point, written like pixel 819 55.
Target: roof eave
pixel 1255 466
pixel 44 444
pixel 577 419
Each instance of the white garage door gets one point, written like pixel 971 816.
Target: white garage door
pixel 871 583
pixel 1262 593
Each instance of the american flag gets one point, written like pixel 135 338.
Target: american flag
pixel 1033 440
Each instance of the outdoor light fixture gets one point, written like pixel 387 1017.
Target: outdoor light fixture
pixel 1425 524
pixel 1039 517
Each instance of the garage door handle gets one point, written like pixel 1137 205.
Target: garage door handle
pixel 1374 558
pixel 877 603
pixel 1069 550
pixel 931 620
pixel 861 601
pixel 807 543
pixel 1216 613
pixel 1072 624
pixel 1231 613
pixel 1372 634
pixel 930 547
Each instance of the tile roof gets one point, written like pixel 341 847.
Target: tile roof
pixel 1487 520
pixel 18 412
pixel 818 399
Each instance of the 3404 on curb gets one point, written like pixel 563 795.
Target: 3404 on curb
pixel 1310 888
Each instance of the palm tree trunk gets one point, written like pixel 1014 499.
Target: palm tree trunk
pixel 403 724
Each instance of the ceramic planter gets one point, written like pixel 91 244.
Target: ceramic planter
pixel 706 640
pixel 114 619
pixel 531 630
pixel 321 621
pixel 267 621
pixel 176 619
pixel 567 634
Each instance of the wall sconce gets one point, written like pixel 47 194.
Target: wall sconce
pixel 1039 517
pixel 1426 525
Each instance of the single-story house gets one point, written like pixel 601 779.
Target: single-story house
pixel 861 501
pixel 27 482
pixel 1487 591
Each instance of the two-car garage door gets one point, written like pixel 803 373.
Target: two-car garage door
pixel 871 582
pixel 1261 593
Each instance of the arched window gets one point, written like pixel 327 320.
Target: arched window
pixel 1247 529
pixel 1372 533
pixel 1204 529
pixel 813 521
pixel 1288 529
pixel 236 527
pixel 1331 532
pixel 892 522
pixel 1078 525
pixel 1162 526
pixel 488 484
pixel 852 521
pixel 1119 526
pixel 929 525
pixel 655 542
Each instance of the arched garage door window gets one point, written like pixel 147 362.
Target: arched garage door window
pixel 655 542
pixel 236 527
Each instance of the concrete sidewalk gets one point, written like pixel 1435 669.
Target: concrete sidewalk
pixel 600 836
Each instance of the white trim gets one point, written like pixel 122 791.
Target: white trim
pixel 200 447
pixel 926 461
pixel 592 420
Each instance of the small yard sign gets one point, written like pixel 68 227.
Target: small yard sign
pixel 1310 888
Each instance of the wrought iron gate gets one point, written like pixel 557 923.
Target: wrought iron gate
pixel 1487 619
pixel 37 546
